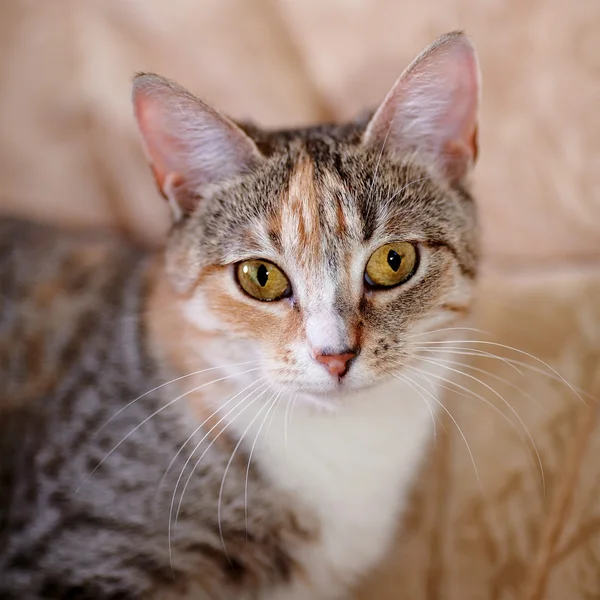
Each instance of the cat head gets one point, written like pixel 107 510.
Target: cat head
pixel 323 252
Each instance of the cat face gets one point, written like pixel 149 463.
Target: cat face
pixel 323 252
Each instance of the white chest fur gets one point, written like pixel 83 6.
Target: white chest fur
pixel 352 469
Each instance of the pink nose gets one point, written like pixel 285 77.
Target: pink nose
pixel 336 364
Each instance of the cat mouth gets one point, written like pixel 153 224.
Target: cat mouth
pixel 336 391
pixel 325 389
pixel 328 401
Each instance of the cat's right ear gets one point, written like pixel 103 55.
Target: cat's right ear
pixel 189 145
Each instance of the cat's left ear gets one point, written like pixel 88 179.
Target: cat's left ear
pixel 432 108
pixel 189 145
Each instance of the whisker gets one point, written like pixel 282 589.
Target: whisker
pixel 469 394
pixel 285 423
pixel 162 385
pixel 497 378
pixel 170 530
pixel 532 368
pixel 508 405
pixel 263 387
pixel 294 400
pixel 403 377
pixel 441 404
pixel 279 399
pixel 270 405
pixel 445 329
pixel 456 349
pixel 157 412
pixel 250 461
pixel 522 352
pixel 220 407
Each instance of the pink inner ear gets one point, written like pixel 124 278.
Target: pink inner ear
pixel 188 144
pixel 432 108
pixel 461 114
pixel 158 144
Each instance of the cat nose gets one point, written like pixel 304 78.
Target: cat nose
pixel 336 364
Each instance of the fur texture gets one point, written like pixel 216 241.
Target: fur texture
pixel 166 435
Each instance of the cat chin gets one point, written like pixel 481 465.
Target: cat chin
pixel 318 402
pixel 329 401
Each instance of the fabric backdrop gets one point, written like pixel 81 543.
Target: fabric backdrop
pixel 507 504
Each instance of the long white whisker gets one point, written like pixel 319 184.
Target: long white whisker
pixel 522 352
pixel 412 384
pixel 201 457
pixel 467 393
pixel 162 385
pixel 496 377
pixel 441 404
pixel 445 329
pixel 261 388
pixel 294 400
pixel 219 408
pixel 472 394
pixel 270 405
pixel 279 399
pixel 463 350
pixel 285 424
pixel 157 412
pixel 512 361
pixel 250 461
pixel 508 405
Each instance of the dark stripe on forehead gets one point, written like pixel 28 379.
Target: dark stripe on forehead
pixel 357 191
pixel 367 215
pixel 343 208
pixel 321 151
pixel 275 239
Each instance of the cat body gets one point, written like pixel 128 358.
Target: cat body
pixel 239 415
pixel 322 474
pixel 75 527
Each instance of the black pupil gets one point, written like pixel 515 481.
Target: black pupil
pixel 394 260
pixel 262 275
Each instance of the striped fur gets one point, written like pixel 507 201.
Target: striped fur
pixel 129 377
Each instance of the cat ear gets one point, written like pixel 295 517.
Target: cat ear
pixel 188 144
pixel 432 108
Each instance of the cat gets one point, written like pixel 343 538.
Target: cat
pixel 238 416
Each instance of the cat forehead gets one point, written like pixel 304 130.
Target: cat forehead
pixel 313 196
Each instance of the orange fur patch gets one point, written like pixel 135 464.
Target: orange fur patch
pixel 251 318
pixel 173 342
pixel 302 202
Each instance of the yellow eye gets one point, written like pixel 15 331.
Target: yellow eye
pixel 262 280
pixel 391 264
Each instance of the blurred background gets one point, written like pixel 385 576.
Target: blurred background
pixel 69 154
pixel 69 151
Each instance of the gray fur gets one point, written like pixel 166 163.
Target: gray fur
pixel 68 533
pixel 84 508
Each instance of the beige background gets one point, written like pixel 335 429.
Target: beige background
pixel 69 151
pixel 69 154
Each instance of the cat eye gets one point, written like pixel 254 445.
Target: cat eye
pixel 262 280
pixel 391 265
